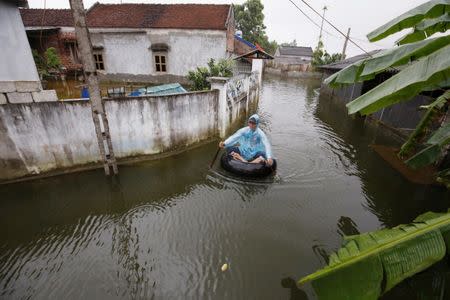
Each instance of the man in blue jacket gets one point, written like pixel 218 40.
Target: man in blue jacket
pixel 254 147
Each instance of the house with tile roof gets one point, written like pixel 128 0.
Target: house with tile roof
pixel 138 42
pixel 293 58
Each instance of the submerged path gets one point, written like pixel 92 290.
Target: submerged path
pixel 163 229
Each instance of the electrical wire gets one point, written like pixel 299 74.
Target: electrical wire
pixel 312 21
pixel 337 29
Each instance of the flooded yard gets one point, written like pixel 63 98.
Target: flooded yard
pixel 163 229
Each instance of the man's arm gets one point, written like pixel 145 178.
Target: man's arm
pixel 233 139
pixel 266 143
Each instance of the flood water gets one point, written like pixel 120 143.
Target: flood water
pixel 163 229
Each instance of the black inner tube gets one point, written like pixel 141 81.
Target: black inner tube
pixel 246 169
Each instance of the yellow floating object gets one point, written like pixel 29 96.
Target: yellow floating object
pixel 224 267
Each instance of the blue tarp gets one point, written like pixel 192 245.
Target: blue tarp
pixel 165 89
pixel 244 41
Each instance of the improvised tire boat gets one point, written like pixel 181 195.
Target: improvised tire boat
pixel 246 169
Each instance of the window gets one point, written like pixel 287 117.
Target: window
pixel 160 63
pixel 73 50
pixel 99 63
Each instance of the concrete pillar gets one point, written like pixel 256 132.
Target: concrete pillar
pixel 258 66
pixel 220 84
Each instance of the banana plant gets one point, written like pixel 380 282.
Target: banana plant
pixel 429 10
pixel 370 264
pixel 420 63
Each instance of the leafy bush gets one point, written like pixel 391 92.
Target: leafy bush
pixel 52 58
pixel 199 77
pixel 322 57
pixel 48 62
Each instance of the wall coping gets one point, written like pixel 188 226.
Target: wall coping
pixel 218 79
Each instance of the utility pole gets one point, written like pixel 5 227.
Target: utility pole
pixel 90 74
pixel 321 25
pixel 345 44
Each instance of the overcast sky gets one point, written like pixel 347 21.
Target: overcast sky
pixel 285 23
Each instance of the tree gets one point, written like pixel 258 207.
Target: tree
pixel 425 67
pixel 249 19
pixel 322 57
pixel 290 44
pixel 199 77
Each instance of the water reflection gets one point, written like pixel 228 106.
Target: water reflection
pixel 386 191
pixel 295 292
pixel 163 229
pixel 346 227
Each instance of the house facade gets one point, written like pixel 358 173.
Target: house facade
pixel 139 42
pixel 293 58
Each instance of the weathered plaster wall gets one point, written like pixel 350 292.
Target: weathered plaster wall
pixel 150 125
pixel 49 136
pixel 16 60
pixel 127 51
pixel 40 137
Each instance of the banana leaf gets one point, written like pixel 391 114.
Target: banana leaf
pixel 429 10
pixel 349 74
pixel 441 136
pixel 426 119
pixel 429 155
pixel 370 264
pixel 425 157
pixel 402 55
pixel 438 141
pixel 431 70
pixel 367 68
pixel 425 29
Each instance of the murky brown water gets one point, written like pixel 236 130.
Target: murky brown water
pixel 71 89
pixel 163 229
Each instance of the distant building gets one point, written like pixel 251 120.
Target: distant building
pixel 139 42
pixel 292 58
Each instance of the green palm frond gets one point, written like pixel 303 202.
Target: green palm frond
pixel 429 10
pixel 370 264
pixel 426 28
pixel 430 71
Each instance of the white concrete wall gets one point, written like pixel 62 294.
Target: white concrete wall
pixel 125 53
pixel 150 125
pixel 40 137
pixel 16 60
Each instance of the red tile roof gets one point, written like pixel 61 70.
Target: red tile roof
pixel 46 17
pixel 181 16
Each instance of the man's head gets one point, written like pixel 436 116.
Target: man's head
pixel 253 122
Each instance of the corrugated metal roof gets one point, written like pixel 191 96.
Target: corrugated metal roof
pixel 339 65
pixel 295 51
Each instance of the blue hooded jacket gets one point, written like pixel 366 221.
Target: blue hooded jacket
pixel 250 141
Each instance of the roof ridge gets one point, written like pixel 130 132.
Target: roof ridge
pixel 23 8
pixel 165 4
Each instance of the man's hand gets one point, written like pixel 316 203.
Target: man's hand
pixel 269 162
pixel 221 144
